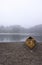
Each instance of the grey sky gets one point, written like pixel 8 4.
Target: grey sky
pixel 20 12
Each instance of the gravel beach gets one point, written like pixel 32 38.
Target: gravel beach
pixel 16 53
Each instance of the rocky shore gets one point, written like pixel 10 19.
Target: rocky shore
pixel 16 53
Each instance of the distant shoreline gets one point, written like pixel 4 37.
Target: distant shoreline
pixel 18 42
pixel 12 42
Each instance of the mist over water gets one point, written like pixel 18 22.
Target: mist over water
pixel 17 16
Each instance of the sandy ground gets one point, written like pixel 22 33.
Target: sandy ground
pixel 19 54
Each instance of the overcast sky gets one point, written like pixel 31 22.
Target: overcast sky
pixel 26 13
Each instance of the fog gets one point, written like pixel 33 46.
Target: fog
pixel 26 13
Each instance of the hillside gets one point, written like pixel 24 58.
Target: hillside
pixel 20 29
pixel 37 28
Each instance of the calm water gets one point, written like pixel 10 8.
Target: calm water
pixel 17 38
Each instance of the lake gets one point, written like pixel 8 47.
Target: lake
pixel 17 38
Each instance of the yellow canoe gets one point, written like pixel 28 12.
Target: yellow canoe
pixel 30 42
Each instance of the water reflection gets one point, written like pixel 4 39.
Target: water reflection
pixel 11 38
